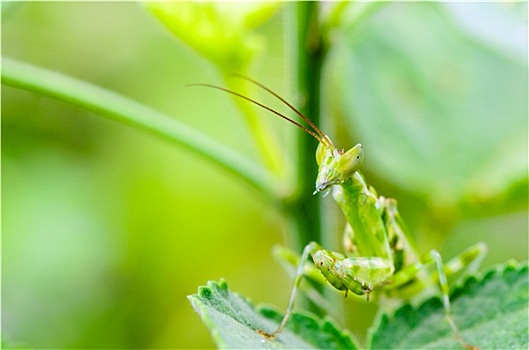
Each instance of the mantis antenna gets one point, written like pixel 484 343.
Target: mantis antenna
pixel 318 135
pixel 324 137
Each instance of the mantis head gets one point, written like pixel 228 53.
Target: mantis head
pixel 336 166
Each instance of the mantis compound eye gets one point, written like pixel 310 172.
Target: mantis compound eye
pixel 350 161
pixel 320 153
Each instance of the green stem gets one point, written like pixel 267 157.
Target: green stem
pixel 120 108
pixel 310 60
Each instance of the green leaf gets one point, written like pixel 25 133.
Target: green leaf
pixel 491 313
pixel 234 322
pixel 439 103
pixel 218 31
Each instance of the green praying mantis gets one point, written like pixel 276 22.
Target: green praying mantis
pixel 378 256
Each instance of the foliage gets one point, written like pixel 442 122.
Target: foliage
pixel 234 322
pixel 435 102
pixel 502 324
pixel 220 32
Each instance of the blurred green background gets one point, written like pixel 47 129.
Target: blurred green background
pixel 106 230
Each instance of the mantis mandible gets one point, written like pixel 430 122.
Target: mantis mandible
pixel 378 253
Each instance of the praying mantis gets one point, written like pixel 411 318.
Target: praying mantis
pixel 378 256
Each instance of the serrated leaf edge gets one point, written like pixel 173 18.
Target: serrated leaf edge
pixel 457 292
pixel 271 312
pixel 200 306
pixel 325 325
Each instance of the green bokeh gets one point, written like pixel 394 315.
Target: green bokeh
pixel 106 230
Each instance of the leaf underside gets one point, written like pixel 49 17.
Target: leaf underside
pixel 491 313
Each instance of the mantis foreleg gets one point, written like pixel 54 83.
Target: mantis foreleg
pixel 356 274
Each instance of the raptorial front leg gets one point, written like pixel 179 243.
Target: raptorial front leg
pixel 358 275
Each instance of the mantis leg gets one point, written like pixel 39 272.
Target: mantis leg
pixel 358 275
pixel 308 250
pixel 469 260
pixel 433 257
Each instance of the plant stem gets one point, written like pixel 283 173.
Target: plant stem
pixel 310 59
pixel 304 209
pixel 120 108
